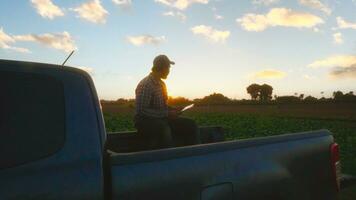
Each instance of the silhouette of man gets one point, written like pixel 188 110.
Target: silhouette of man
pixel 160 125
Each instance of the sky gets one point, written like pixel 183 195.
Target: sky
pixel 296 46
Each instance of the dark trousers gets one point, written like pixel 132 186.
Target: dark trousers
pixel 164 133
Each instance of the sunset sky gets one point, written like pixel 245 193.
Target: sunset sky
pixel 297 46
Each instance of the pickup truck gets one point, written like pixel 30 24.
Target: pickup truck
pixel 54 146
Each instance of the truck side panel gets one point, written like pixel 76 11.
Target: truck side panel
pixel 280 167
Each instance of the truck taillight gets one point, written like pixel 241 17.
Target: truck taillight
pixel 335 164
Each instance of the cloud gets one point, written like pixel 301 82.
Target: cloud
pixel 218 17
pixel 181 4
pixel 123 3
pixel 316 4
pixel 270 74
pixel 278 17
pixel 264 2
pixel 316 30
pixel 61 41
pixel 308 77
pixel 145 39
pixel 6 41
pixel 92 11
pixel 18 49
pixel 343 66
pixel 177 14
pixel 338 38
pixel 341 72
pixel 211 33
pixel 342 24
pixel 253 22
pixel 47 9
pixel 335 61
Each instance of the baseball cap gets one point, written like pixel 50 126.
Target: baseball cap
pixel 162 60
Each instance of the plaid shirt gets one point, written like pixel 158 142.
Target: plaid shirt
pixel 151 98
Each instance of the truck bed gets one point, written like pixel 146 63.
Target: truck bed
pixel 130 141
pixel 277 167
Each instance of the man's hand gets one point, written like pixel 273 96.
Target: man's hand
pixel 179 108
pixel 174 113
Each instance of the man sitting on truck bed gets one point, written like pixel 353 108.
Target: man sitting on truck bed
pixel 159 124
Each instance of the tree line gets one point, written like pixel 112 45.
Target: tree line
pixel 263 93
pixel 260 94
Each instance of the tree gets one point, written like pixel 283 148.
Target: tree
pixel 310 99
pixel 349 96
pixel 178 101
pixel 121 101
pixel 253 90
pixel 301 96
pixel 266 92
pixel 287 99
pixel 338 95
pixel 215 99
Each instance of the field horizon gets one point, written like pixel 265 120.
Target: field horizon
pixel 329 110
